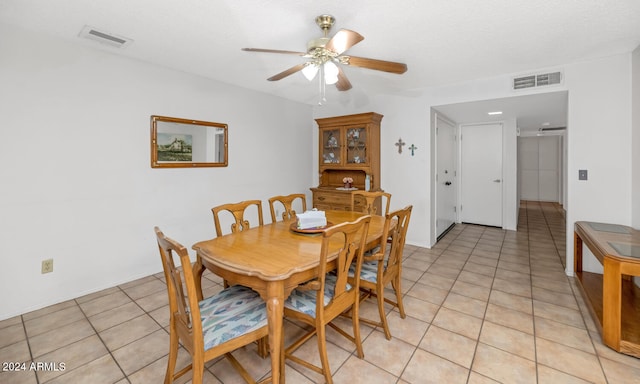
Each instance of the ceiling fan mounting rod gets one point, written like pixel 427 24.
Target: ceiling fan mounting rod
pixel 325 22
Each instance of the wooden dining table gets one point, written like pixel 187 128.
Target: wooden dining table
pixel 273 260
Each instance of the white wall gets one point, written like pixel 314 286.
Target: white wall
pixel 510 200
pixel 599 137
pixel 77 185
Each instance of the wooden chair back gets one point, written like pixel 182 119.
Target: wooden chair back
pixel 352 237
pixel 186 326
pixel 287 203
pixel 238 211
pixel 348 240
pixel 179 301
pixel 369 201
pixel 385 266
pixel 398 236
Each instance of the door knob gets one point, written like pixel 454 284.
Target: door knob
pixel 447 183
pixel 497 180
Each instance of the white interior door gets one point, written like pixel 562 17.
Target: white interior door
pixel 481 174
pixel 539 168
pixel 548 149
pixel 528 168
pixel 446 185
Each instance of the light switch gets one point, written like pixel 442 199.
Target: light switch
pixel 582 174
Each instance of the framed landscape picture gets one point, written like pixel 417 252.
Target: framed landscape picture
pixel 175 147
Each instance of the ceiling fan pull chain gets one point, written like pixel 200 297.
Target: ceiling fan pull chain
pixel 323 97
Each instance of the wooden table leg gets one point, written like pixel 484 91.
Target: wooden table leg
pixel 275 314
pixel 611 304
pixel 577 253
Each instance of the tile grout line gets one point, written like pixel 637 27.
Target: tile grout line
pixel 533 312
pixel 26 335
pixel 109 352
pixel 598 357
pixel 154 320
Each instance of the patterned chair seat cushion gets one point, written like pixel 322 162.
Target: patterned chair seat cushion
pixel 232 312
pixel 305 301
pixel 369 271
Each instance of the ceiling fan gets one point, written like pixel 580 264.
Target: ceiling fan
pixel 326 54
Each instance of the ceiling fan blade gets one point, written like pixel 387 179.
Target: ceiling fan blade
pixel 289 71
pixel 274 51
pixel 343 83
pixel 343 40
pixel 378 65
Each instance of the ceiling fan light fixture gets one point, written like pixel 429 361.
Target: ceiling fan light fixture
pixel 310 71
pixel 330 72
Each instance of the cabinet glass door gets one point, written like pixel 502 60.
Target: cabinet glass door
pixel 356 145
pixel 331 144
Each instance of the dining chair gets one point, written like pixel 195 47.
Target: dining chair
pixel 319 301
pixel 210 328
pixel 385 266
pixel 365 201
pixel 238 211
pixel 287 203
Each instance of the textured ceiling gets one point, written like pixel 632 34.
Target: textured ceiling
pixel 441 41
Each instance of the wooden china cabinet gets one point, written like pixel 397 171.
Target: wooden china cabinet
pixel 349 147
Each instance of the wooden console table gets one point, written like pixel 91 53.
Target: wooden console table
pixel 613 298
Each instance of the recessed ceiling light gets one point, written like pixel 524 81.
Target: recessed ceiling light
pixel 495 113
pixel 546 124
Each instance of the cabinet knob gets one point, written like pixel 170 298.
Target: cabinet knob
pixel 321 198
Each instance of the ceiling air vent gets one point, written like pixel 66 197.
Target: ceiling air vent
pixel 551 131
pixel 104 37
pixel 537 80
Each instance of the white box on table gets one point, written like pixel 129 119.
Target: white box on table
pixel 311 219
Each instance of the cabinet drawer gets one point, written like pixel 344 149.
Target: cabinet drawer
pixel 332 200
pixel 359 203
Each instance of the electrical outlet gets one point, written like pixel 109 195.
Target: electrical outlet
pixel 47 266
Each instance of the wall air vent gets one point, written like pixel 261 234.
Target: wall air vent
pixel 104 37
pixel 551 131
pixel 540 80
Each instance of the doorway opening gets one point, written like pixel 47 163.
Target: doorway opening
pixel 521 116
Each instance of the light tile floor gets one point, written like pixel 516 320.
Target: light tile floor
pixel 484 306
